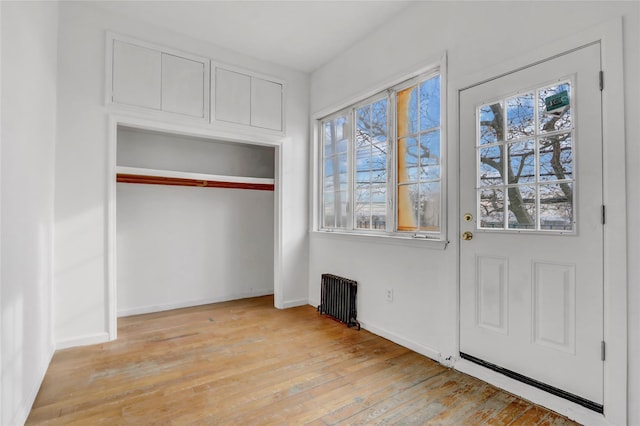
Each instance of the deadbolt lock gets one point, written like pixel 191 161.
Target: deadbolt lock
pixel 467 217
pixel 467 236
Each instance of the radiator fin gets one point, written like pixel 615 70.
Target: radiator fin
pixel 338 299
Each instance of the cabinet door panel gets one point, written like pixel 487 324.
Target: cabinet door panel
pixel 182 86
pixel 232 97
pixel 136 75
pixel 266 104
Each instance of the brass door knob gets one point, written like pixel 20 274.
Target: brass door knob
pixel 467 236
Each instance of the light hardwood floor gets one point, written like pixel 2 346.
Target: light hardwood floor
pixel 245 362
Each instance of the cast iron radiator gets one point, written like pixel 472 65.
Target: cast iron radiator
pixel 338 299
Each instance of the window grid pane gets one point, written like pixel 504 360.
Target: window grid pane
pixel 418 160
pixel 371 166
pixel 335 175
pixel 525 176
pixel 355 149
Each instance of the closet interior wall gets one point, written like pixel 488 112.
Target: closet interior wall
pixel 182 246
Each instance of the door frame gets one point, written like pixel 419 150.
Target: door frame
pixel 609 35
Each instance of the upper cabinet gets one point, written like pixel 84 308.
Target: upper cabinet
pixel 183 86
pixel 151 77
pixel 247 98
pixel 147 77
pixel 137 75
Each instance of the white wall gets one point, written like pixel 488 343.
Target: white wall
pixel 81 166
pixel 186 246
pixel 29 67
pixel 476 36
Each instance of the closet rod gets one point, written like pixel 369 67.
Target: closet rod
pixel 161 180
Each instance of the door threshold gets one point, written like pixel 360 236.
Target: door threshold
pixel 598 408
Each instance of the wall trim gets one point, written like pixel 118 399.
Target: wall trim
pixel 609 35
pixel 403 341
pixel 87 339
pixel 294 303
pixel 190 303
pixel 24 408
pixel 183 130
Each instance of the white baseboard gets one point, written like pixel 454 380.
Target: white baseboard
pixel 537 396
pixel 402 341
pixel 294 303
pixel 189 303
pixel 89 339
pixel 24 409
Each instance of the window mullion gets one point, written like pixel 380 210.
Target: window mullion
pixel 351 174
pixel 392 140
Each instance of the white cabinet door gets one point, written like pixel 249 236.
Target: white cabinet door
pixel 136 75
pixel 232 97
pixel 266 104
pixel 183 86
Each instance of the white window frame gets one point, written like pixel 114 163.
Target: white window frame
pixel 389 90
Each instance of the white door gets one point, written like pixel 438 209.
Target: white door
pixel 531 249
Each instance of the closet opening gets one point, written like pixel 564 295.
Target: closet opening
pixel 193 221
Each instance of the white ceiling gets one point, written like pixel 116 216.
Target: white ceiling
pixel 302 35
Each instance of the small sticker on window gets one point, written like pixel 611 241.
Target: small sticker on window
pixel 557 101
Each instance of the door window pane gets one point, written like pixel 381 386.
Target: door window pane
pixel 492 208
pixel 522 207
pixel 556 207
pixel 520 116
pixel 491 165
pixel 522 162
pixel 532 171
pixel 491 123
pixel 554 108
pixel 556 159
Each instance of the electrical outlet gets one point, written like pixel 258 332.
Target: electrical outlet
pixel 389 294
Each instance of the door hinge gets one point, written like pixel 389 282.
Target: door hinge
pixel 602 351
pixel 601 78
pixel 604 215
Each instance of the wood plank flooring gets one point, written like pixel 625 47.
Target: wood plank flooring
pixel 246 363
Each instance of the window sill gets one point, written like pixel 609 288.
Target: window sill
pixel 382 239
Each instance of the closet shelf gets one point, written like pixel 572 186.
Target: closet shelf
pixel 174 178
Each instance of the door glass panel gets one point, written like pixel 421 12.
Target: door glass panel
pixel 556 159
pixel 491 165
pixel 522 162
pixel 556 206
pixel 491 123
pixel 520 116
pixel 554 108
pixel 522 207
pixel 531 171
pixel 492 208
